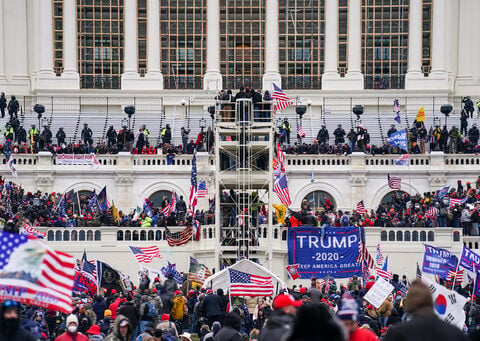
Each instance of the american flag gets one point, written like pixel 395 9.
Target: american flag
pixel 456 201
pixel 245 284
pixel 384 274
pixel 145 254
pixel 419 273
pixel 361 208
pixel 202 190
pixel 281 156
pixel 363 254
pixel 43 276
pixel 179 238
pixel 396 110
pixel 282 101
pixel 300 131
pixel 457 276
pixel 379 258
pixel 365 273
pixel 433 212
pixel 29 230
pixel 193 186
pixel 89 266
pixel 198 272
pixel 403 160
pixel 281 187
pixel 394 182
pixel 170 207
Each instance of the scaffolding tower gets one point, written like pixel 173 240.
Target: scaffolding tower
pixel 244 152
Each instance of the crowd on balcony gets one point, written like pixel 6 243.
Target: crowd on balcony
pixel 451 207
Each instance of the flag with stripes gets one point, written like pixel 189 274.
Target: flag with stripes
pixel 419 273
pixel 282 101
pixel 281 156
pixel 394 182
pixel 11 165
pixel 280 187
pixel 382 271
pixel 29 230
pixel 202 190
pixel 172 269
pixel 396 110
pixel 301 133
pixel 90 268
pixel 361 208
pixel 145 254
pixel 365 272
pixel 193 186
pixel 433 212
pixel 457 276
pixel 403 160
pixel 363 254
pixel 457 201
pixel 246 284
pixel 166 210
pixel 198 272
pixel 36 274
pixel 379 257
pixel 179 238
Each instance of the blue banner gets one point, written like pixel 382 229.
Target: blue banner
pixel 470 260
pixel 438 261
pixel 83 283
pixel 399 139
pixel 334 255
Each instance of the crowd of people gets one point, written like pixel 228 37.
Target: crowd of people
pixel 168 311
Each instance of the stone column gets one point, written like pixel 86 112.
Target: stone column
pixel 212 80
pixel 130 74
pixel 414 42
pixel 272 74
pixel 354 72
pixel 465 52
pixel 46 75
pixel 2 40
pixel 439 38
pixel 70 68
pixel 154 73
pixel 330 75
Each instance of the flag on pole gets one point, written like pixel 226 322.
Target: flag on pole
pixel 147 209
pixel 245 284
pixel 93 202
pixel 383 271
pixel 394 182
pixel 282 101
pixel 379 258
pixel 361 208
pixel 145 254
pixel 29 230
pixel 198 272
pixel 419 273
pixel 456 201
pixel 102 199
pixel 443 192
pixel 281 187
pixel 172 269
pixel 455 275
pixel 403 160
pixel 138 210
pixel 35 273
pixel 421 115
pixel 202 190
pixel 396 110
pixel 11 165
pixel 193 186
pixel 280 212
pixel 301 133
pixel 292 271
pixel 115 214
pixel 363 254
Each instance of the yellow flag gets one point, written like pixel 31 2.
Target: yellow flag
pixel 421 115
pixel 115 214
pixel 280 211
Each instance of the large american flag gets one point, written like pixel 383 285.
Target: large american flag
pixel 433 212
pixel 41 276
pixel 419 273
pixel 90 269
pixel 394 182
pixel 282 101
pixel 363 254
pixel 361 208
pixel 198 272
pixel 457 276
pixel 456 201
pixel 145 254
pixel 179 238
pixel 193 186
pixel 281 156
pixel 245 284
pixel 281 187
pixel 202 190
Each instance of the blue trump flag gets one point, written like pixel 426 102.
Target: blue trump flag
pixel 399 139
pixel 438 261
pixel 334 255
pixel 470 260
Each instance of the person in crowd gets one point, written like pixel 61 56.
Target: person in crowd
pixel 72 333
pixel 167 327
pixel 468 106
pixel 122 330
pixel 86 135
pixel 212 305
pixel 13 107
pixel 282 318
pixel 339 134
pixel 348 314
pixel 323 136
pixel 424 325
pixel 166 134
pixel 231 328
pixel 391 130
pixel 184 133
pixel 111 137
pixel 3 104
pixel 10 329
pixel 61 136
pixel 286 130
pixel 129 311
pixel 463 122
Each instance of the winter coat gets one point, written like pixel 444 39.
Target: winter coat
pixel 212 305
pixel 131 312
pixel 98 307
pixel 278 327
pixel 228 334
pixel 170 286
pixel 385 308
pixel 115 334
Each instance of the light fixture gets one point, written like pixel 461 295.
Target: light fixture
pixel 184 101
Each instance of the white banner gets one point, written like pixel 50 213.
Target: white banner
pixel 77 159
pixel 448 304
pixel 378 292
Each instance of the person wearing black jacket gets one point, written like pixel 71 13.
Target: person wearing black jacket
pixel 87 135
pixel 111 137
pixel 61 136
pixel 181 207
pixel 98 307
pixel 231 329
pixel 10 329
pixel 322 136
pixel 13 107
pixel 3 104
pixel 212 305
pixel 473 134
pixel 339 134
pixel 131 312
pixel 140 141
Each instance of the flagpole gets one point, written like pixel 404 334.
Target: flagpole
pixel 474 281
pixel 456 274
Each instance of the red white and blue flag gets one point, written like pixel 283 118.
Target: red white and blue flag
pixel 281 187
pixel 383 271
pixel 33 273
pixel 394 182
pixel 145 254
pixel 245 284
pixel 396 110
pixel 202 190
pixel 361 208
pixel 301 133
pixel 193 186
pixel 282 101
pixel 403 160
pixel 29 230
pixel 379 258
pixel 457 201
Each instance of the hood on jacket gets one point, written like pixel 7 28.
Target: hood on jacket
pixel 116 327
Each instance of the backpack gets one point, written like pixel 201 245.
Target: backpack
pixel 169 334
pixel 149 310
pixel 177 310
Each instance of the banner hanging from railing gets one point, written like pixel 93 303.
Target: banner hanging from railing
pixel 77 159
pixel 333 254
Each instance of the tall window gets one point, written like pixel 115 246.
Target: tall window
pixel 342 36
pixel 100 43
pixel 427 37
pixel 58 36
pixel 142 36
pixel 241 42
pixel 385 43
pixel 302 29
pixel 183 47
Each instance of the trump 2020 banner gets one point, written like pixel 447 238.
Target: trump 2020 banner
pixel 335 254
pixel 438 261
pixel 470 260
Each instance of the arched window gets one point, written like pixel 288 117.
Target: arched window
pixel 143 235
pixel 284 235
pixel 275 234
pixel 50 236
pixel 265 233
pixel 383 236
pixel 388 198
pixel 415 236
pixel 431 236
pixel 423 236
pixel 157 197
pixel 135 235
pixel 319 199
pixel 58 236
pixel 128 235
pixel 98 235
pixel 391 236
pixel 407 236
pixel 89 235
pixel 66 236
pixel 74 236
pixel 81 235
pixel 456 236
pixel 150 235
pixel 399 236
pixel 120 235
